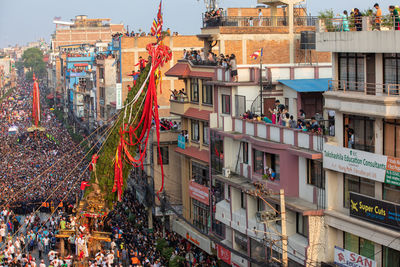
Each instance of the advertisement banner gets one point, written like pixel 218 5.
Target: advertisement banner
pixel 118 94
pixel 224 254
pixel 384 169
pixel 376 211
pixel 181 141
pixel 199 192
pixel 345 258
pixel 355 162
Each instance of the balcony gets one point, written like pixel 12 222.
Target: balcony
pixel 362 36
pixel 280 134
pixel 371 98
pixel 180 105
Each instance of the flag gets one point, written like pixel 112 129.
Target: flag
pixel 154 27
pixel 258 53
pixel 159 21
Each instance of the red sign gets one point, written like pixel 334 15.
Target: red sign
pixel 199 192
pixel 224 254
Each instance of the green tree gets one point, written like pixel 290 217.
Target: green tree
pixel 33 61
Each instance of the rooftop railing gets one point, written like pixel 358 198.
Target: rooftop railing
pixel 366 88
pixel 276 21
pixel 364 23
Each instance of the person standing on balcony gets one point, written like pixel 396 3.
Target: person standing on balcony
pixel 358 19
pixel 345 21
pixel 260 15
pixel 378 17
pixel 233 67
pixel 395 16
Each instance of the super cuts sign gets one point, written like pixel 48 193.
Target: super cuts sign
pixel 345 258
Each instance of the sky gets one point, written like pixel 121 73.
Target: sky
pixel 22 21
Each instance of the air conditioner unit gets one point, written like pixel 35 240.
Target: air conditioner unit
pixel 226 172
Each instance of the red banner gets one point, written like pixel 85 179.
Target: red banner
pixel 199 192
pixel 224 254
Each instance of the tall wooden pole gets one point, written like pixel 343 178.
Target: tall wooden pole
pixel 284 234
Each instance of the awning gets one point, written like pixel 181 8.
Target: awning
pixel 80 64
pixel 194 113
pixel 307 85
pixel 194 152
pixel 183 70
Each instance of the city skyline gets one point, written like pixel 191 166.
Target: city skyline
pixel 36 19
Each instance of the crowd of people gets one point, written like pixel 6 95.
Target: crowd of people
pixel 281 116
pixel 355 18
pixel 29 172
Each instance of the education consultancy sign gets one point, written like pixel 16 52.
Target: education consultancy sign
pixel 376 211
pixel 376 167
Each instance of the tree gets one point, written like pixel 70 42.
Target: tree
pixel 33 61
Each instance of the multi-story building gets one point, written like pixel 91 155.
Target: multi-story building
pixel 83 30
pixel 220 210
pixel 361 161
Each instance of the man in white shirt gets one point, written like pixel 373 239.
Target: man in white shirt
pixel 260 15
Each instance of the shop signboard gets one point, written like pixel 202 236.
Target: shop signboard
pixel 199 192
pixel 224 254
pixel 345 258
pixel 181 141
pixel 376 167
pixel 118 94
pixel 376 211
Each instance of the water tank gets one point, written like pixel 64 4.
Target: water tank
pixel 307 40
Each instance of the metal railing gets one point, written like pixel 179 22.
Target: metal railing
pixel 363 87
pixel 365 23
pixel 276 21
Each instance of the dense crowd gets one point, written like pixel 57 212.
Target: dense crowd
pixel 24 156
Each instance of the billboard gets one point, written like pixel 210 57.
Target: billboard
pixel 345 258
pixel 199 192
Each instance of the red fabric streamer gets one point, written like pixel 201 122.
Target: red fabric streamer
pixel 36 102
pixel 84 184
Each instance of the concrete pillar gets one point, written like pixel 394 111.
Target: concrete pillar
pixel 62 247
pixel 274 20
pixel 378 129
pixel 379 73
pixel 291 33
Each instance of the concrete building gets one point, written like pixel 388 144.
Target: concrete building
pixel 361 161
pixel 83 30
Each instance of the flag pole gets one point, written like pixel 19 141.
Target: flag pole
pixel 261 86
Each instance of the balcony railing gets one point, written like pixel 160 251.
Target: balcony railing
pixel 366 88
pixel 276 21
pixel 365 23
pixel 280 134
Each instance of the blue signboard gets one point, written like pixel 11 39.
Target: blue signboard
pixel 181 141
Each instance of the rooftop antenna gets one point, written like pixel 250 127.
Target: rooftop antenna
pixel 211 4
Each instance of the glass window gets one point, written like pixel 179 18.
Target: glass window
pixel 240 105
pixel 391 70
pixel 315 173
pixel 242 200
pixel 351 70
pixel 200 215
pixel 391 140
pixel 258 161
pixel 358 185
pixel 207 94
pixel 194 90
pixel 266 164
pixel 217 152
pixel 205 133
pixel 241 241
pixel 391 193
pixel 359 133
pixel 260 204
pixel 200 174
pixel 390 257
pixel 257 250
pixel 226 104
pixel 245 147
pixel 195 131
pixel 301 224
pixel 165 155
pixel 359 245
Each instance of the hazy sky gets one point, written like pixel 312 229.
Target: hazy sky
pixel 22 21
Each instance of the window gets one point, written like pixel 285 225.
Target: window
pixel 217 152
pixel 266 164
pixel 257 250
pixel 359 245
pixel 241 241
pixel 358 185
pixel 194 90
pixel 200 215
pixel 102 113
pixel 242 200
pixel 359 133
pixel 205 133
pixel 391 140
pixel 165 155
pixel 226 104
pixel 240 105
pixel 200 174
pixel 260 204
pixel 315 173
pixel 102 93
pixel 390 257
pixel 391 193
pixel 195 131
pixel 245 147
pixel 301 224
pixel 351 70
pixel 391 69
pixel 207 94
